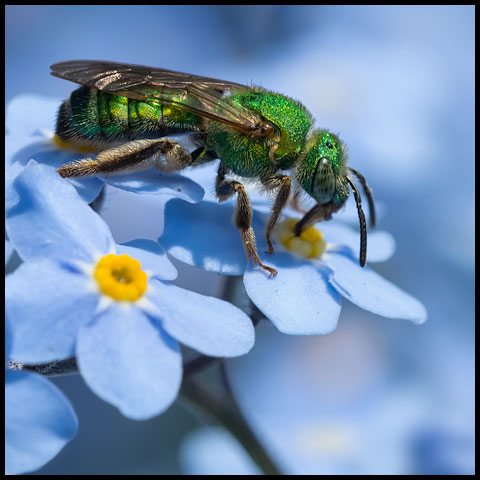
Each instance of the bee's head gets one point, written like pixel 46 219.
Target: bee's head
pixel 323 173
pixel 322 170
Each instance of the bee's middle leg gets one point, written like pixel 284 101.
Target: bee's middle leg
pixel 283 183
pixel 165 154
pixel 242 217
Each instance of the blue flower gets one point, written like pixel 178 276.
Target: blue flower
pixel 39 420
pixel 305 296
pixel 78 293
pixel 30 121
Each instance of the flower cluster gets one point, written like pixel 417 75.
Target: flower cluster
pixel 305 297
pixel 79 293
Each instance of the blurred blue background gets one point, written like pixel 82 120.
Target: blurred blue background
pixel 397 84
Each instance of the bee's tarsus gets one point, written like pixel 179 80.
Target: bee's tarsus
pixel 270 248
pixel 272 271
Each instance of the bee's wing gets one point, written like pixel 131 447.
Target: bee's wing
pixel 203 96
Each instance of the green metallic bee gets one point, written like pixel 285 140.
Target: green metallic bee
pixel 126 112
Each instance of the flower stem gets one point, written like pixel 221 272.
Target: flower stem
pixel 215 400
pixel 50 369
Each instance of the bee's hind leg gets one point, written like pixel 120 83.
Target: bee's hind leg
pixel 242 216
pixel 165 154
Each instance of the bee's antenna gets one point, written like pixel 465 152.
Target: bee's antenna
pixel 368 192
pixel 363 225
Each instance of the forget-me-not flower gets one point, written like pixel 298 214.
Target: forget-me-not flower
pixel 39 420
pixel 30 123
pixel 314 271
pixel 78 293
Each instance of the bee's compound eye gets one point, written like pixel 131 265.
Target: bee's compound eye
pixel 323 186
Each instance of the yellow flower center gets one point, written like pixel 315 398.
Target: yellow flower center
pixel 310 243
pixel 72 146
pixel 121 277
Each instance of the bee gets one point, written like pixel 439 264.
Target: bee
pixel 127 113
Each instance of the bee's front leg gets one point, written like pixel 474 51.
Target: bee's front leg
pixel 316 214
pixel 165 154
pixel 243 215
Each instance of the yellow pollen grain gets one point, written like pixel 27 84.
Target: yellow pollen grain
pixel 310 243
pixel 121 277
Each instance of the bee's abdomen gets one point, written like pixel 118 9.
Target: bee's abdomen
pixel 78 117
pixel 90 116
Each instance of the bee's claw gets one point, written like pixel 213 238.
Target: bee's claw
pixel 272 271
pixel 270 246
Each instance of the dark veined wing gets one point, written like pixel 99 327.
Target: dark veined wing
pixel 203 96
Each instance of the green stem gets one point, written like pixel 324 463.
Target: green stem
pixel 218 403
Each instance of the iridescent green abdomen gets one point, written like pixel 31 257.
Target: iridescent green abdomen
pixel 91 116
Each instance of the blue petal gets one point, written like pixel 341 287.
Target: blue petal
pixel 211 326
pixel 205 175
pixel 20 150
pixel 87 187
pixel 51 221
pixel 154 182
pixel 298 300
pixel 39 422
pixel 129 362
pixel 370 291
pixel 46 304
pixel 30 115
pixel 14 165
pixel 380 244
pixel 203 235
pixel 152 257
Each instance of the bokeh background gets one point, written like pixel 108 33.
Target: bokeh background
pixel 397 84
